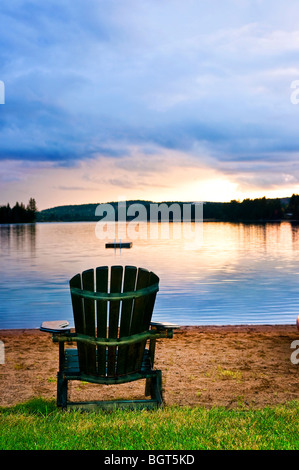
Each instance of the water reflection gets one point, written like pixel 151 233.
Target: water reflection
pixel 236 273
pixel 16 237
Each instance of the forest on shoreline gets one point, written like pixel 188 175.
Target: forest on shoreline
pixel 18 213
pixel 259 209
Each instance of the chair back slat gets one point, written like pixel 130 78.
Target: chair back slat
pixel 102 306
pixel 114 309
pixel 89 321
pixel 150 303
pixel 135 351
pixel 129 285
pixel 78 312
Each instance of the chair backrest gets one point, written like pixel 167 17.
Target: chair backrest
pixel 112 303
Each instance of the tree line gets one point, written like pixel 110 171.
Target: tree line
pixel 260 209
pixel 247 210
pixel 18 213
pixel 254 209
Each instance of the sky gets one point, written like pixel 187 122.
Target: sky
pixel 190 100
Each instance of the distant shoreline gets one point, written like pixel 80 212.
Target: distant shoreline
pixel 259 210
pixel 240 221
pixel 256 211
pixel 217 327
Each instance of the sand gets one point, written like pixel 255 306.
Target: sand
pixel 230 366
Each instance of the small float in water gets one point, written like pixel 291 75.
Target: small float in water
pixel 119 244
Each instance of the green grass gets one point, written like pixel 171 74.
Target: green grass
pixel 40 425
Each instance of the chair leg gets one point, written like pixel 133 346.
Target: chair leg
pixel 61 390
pixel 156 387
pixel 148 387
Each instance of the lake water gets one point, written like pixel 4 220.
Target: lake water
pixel 237 274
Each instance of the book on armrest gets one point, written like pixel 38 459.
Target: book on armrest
pixel 58 326
pixel 165 325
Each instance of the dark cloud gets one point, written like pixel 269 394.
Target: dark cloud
pixel 88 79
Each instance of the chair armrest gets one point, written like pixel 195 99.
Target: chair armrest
pixel 152 335
pixel 164 325
pixel 59 326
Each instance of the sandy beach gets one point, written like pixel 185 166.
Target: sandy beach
pixel 230 366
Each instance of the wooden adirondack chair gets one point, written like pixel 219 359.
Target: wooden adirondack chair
pixel 112 314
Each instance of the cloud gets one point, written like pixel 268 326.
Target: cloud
pixel 200 79
pixel 73 188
